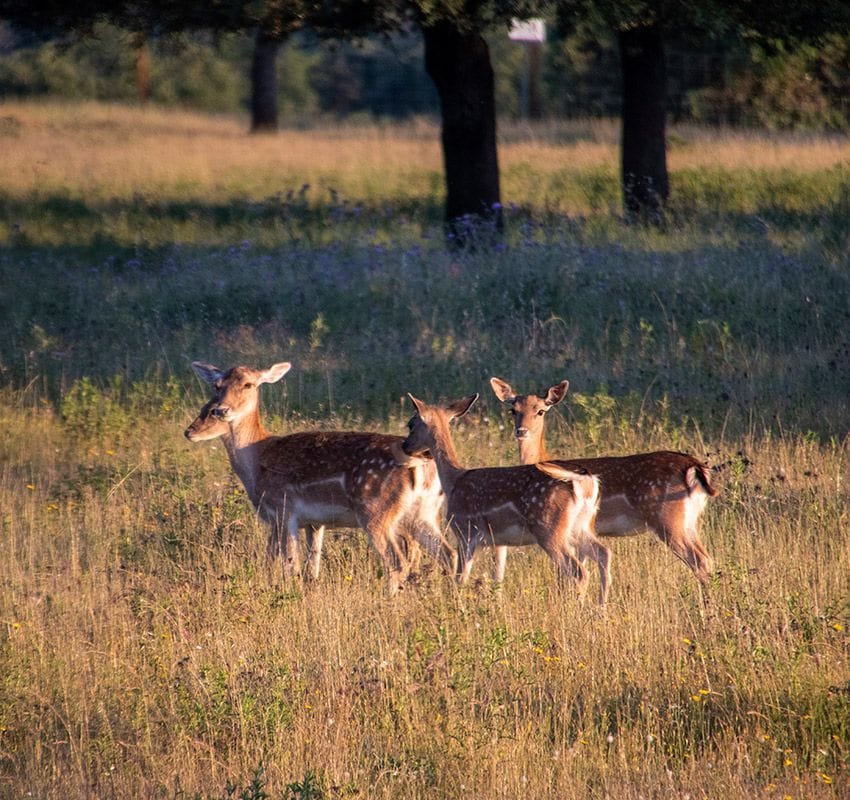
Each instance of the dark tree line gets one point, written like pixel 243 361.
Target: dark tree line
pixel 457 59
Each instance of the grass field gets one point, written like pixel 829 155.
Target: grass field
pixel 147 650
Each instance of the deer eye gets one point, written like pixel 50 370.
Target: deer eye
pixel 248 385
pixel 540 412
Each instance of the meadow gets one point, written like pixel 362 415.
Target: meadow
pixel 146 647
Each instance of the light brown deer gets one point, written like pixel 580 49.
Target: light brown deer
pixel 663 491
pixel 313 479
pixel 207 426
pixel 509 506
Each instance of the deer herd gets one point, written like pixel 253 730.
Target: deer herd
pixel 400 489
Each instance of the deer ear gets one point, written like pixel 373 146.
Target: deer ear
pixel 207 372
pixel 417 404
pixel 275 372
pixel 556 393
pixel 502 390
pixel 460 407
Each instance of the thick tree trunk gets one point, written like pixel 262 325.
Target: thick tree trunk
pixel 264 82
pixel 644 146
pixel 459 64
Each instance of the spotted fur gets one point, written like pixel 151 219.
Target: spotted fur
pixel 313 479
pixel 663 491
pixel 545 505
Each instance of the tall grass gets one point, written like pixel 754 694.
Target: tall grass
pixel 147 649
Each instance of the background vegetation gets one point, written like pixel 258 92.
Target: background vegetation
pixel 146 649
pixel 804 87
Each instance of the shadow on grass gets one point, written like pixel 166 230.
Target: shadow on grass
pixel 369 310
pixel 279 220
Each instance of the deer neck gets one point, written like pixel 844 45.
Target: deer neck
pixel 445 459
pixel 531 448
pixel 244 445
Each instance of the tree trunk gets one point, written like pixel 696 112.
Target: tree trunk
pixel 264 82
pixel 644 147
pixel 143 69
pixel 458 63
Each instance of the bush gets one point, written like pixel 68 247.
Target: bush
pixel 804 89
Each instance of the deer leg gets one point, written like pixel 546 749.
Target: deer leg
pixel 467 543
pixel 404 549
pixel 291 549
pixel 688 547
pixel 381 531
pixel 315 540
pixel 602 556
pixel 569 567
pixel 428 534
pixel 274 545
pixel 464 564
pixel 277 520
pixel 388 553
pixel 705 563
pixel 500 554
pixel 412 550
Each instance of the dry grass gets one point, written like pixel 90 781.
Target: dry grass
pixel 147 650
pixel 115 152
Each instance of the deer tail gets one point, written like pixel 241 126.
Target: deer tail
pixel 699 475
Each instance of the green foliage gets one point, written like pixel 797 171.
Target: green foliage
pixel 801 88
pixel 88 409
pixel 254 790
pixel 309 788
pixel 381 77
pixel 101 69
pixel 210 76
pixel 804 89
pixel 581 73
pixel 298 96
pixel 185 70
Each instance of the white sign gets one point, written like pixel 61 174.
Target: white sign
pixel 527 30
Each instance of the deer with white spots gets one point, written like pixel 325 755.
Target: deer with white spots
pixel 313 479
pixel 663 491
pixel 542 504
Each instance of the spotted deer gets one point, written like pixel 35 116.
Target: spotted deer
pixel 663 491
pixel 544 503
pixel 313 479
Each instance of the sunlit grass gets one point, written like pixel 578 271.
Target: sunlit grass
pixel 146 649
pixel 149 176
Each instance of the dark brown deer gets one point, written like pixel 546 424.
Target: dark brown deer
pixel 663 491
pixel 544 504
pixel 313 479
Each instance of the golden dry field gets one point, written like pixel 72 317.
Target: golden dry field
pixel 148 649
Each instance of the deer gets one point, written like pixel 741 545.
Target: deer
pixel 310 480
pixel 544 504
pixel 664 492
